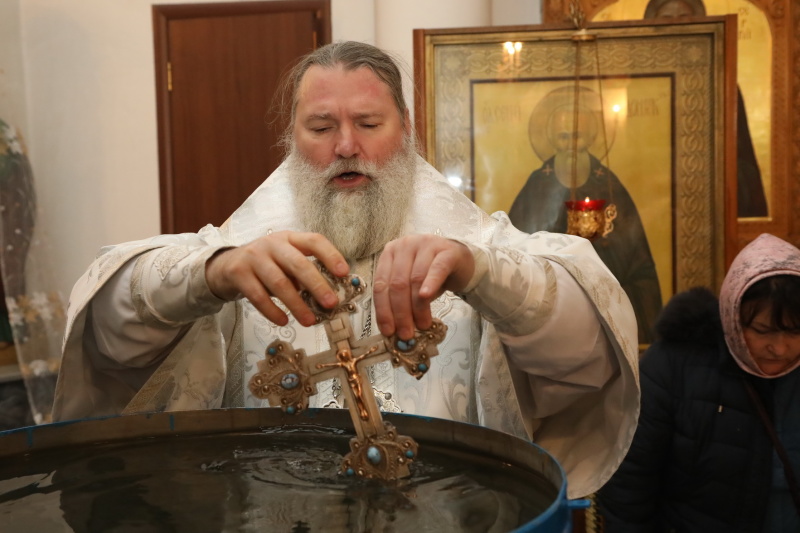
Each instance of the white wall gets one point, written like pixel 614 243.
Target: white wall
pixel 513 12
pixel 79 74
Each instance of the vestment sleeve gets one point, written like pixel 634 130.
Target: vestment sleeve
pixel 142 309
pixel 547 324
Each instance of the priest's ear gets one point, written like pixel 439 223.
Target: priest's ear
pixel 407 121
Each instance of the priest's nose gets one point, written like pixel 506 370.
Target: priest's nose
pixel 346 144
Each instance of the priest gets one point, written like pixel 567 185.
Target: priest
pixel 541 340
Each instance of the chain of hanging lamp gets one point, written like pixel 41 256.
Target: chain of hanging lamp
pixel 579 38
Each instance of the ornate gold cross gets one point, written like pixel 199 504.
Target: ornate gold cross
pixel 287 378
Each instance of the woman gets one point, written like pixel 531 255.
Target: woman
pixel 702 458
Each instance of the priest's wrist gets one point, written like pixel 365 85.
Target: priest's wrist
pixel 215 277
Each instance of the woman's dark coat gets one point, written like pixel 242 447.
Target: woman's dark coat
pixel 701 459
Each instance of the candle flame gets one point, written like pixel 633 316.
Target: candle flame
pixel 587 200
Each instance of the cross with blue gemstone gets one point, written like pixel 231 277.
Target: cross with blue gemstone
pixel 287 377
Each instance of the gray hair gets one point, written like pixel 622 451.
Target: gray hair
pixel 351 55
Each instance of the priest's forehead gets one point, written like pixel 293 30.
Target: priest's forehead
pixel 351 55
pixel 335 94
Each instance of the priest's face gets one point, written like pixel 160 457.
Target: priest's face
pixel 352 160
pixel 344 114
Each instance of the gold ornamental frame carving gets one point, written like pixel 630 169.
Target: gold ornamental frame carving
pixel 697 58
pixel 783 17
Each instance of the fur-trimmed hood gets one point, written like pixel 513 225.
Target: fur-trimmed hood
pixel 691 316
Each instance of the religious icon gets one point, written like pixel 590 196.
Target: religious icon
pixel 566 132
pixel 754 120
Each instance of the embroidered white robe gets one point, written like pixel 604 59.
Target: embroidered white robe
pixel 541 345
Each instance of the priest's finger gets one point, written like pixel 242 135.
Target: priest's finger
pixel 283 287
pixel 316 245
pixel 380 292
pixel 439 269
pixel 307 276
pixel 421 305
pixel 257 294
pixel 451 270
pixel 400 287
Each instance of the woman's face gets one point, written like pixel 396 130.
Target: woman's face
pixel 773 350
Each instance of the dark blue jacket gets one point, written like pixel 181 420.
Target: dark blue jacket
pixel 701 459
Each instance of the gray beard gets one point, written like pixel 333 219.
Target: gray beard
pixel 361 221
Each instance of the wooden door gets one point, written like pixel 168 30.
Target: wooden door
pixel 218 66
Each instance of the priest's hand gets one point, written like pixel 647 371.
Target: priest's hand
pixel 277 265
pixel 412 272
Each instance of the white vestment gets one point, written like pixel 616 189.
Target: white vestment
pixel 541 345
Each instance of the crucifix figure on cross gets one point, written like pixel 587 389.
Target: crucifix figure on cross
pixel 287 377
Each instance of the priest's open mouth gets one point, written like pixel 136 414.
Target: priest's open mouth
pixel 350 179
